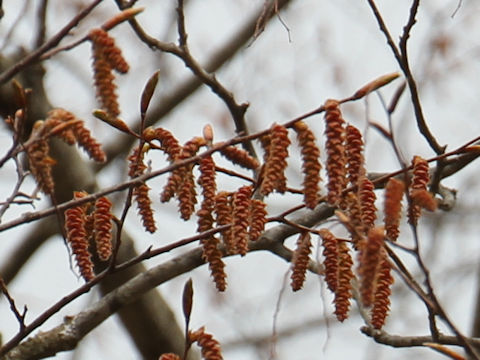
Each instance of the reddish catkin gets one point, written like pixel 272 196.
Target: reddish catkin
pixel 367 199
pixel 181 181
pixel 144 205
pixel 276 163
pixel 419 181
pixel 41 164
pixel 344 287
pixel 300 259
pixel 424 199
pixel 140 192
pixel 102 222
pixel 223 213
pixel 169 143
pixel 310 164
pixel 211 254
pixel 381 303
pixel 258 219
pixel 240 157
pixel 335 148
pixel 104 82
pixel 330 254
pixel 78 240
pixel 58 116
pixel 207 181
pixel 241 216
pixel 106 45
pixel 355 215
pixel 77 133
pixel 394 191
pixel 88 143
pixel 354 154
pixel 210 347
pixel 170 356
pixel 369 259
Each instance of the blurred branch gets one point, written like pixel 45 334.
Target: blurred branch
pixel 54 41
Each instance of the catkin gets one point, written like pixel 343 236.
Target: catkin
pixel 335 149
pixel 330 254
pixel 102 222
pixel 276 162
pixel 418 184
pixel 77 238
pixel 343 293
pixel 300 259
pixel 381 302
pixel 394 191
pixel 370 257
pixel 210 347
pixel 241 217
pixel 310 164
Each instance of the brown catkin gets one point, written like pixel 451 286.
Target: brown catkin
pixel 241 216
pixel 77 238
pixel 394 191
pixel 335 148
pixel 258 218
pixel 381 302
pixel 207 181
pixel 310 164
pixel 367 199
pixel 240 157
pixel 104 81
pixel 419 182
pixel 354 154
pixel 102 218
pixel 58 116
pixel 343 293
pixel 140 192
pixel 106 45
pixel 276 162
pixel 76 133
pixel 223 213
pixel 355 215
pixel 170 356
pixel 210 347
pixel 40 162
pixel 300 259
pixel 370 256
pixel 211 254
pixel 330 254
